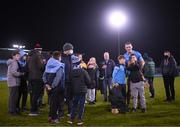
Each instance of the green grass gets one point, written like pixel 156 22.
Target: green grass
pixel 158 113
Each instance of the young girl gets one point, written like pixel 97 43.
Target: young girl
pixel 92 70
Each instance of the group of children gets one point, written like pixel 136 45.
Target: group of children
pixel 83 87
pixel 118 91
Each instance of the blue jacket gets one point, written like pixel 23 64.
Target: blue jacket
pixel 119 74
pixel 54 73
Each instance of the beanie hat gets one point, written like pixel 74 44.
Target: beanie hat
pixel 67 46
pixel 37 47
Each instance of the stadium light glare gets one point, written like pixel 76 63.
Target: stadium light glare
pixel 19 46
pixel 117 19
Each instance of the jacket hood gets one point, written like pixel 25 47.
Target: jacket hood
pixel 77 72
pixel 9 62
pixel 53 65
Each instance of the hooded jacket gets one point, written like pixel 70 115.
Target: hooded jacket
pixel 12 73
pixel 23 66
pixel 80 80
pixel 54 73
pixel 94 74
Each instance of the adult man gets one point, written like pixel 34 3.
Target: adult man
pixel 67 58
pixel 140 60
pixel 169 72
pixel 35 72
pixel 106 69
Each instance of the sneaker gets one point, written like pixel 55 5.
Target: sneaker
pixel 49 119
pixel 143 110
pixel 68 114
pixel 80 122
pixel 54 121
pixel 70 121
pixel 33 114
pixel 133 110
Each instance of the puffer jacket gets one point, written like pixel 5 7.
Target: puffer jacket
pixel 80 80
pixel 12 73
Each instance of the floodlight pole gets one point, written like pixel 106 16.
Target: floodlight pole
pixel 118 41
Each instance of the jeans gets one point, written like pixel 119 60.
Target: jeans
pixel 169 87
pixel 78 100
pixel 107 83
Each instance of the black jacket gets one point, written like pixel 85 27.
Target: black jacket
pixel 135 73
pixel 107 73
pixel 80 80
pixel 169 67
pixel 93 73
pixel 35 66
pixel 66 59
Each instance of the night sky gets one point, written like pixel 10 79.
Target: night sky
pixel 153 25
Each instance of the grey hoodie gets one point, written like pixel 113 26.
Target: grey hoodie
pixel 12 73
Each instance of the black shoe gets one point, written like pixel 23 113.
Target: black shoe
pixel 133 110
pixel 143 110
pixel 152 97
pixel 25 110
pixel 172 100
pixel 128 109
pixel 14 113
pixel 167 100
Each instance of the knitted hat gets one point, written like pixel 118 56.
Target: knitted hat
pixel 37 47
pixel 67 46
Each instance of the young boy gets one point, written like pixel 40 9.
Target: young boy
pixel 53 77
pixel 80 80
pixel 119 89
pixel 136 83
pixel 23 89
pixel 13 82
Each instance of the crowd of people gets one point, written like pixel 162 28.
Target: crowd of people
pixel 67 79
